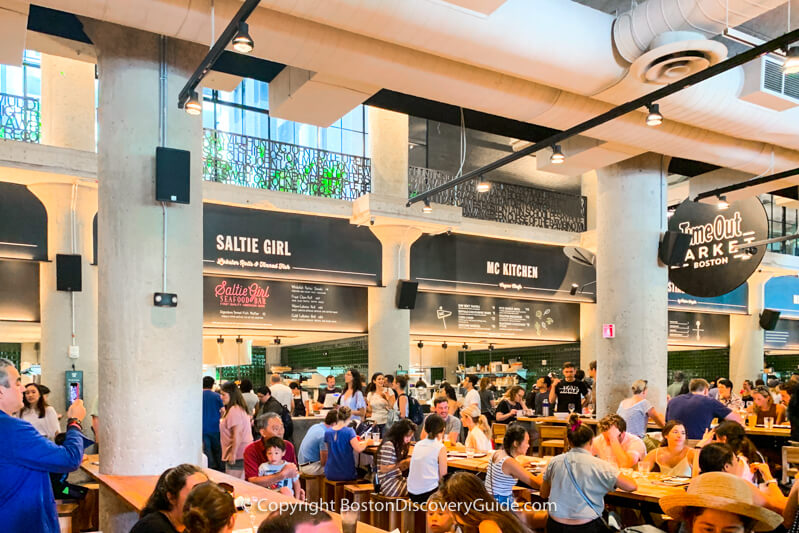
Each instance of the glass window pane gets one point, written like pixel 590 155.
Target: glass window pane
pixel 282 130
pixel 33 80
pixel 11 80
pixel 256 124
pixel 256 94
pixel 352 142
pixel 305 135
pixel 353 120
pixel 330 139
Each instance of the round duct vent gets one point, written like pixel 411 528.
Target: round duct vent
pixel 676 54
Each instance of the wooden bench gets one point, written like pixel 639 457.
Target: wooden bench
pixel 358 496
pixel 387 512
pixel 313 486
pixel 67 516
pixel 790 458
pixel 334 492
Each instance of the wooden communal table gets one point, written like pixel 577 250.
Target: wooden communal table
pixel 136 489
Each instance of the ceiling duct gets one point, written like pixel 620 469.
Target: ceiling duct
pixel 676 54
pixel 766 85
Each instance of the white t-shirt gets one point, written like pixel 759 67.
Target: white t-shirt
pixel 379 407
pixel 631 444
pixel 477 439
pixel 283 394
pixel 472 398
pixel 47 426
pixel 423 475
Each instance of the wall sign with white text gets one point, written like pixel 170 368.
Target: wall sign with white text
pixel 734 302
pixel 698 329
pixel 784 337
pixel 23 224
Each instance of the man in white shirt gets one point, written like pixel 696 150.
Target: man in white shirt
pixel 617 446
pixel 281 392
pixel 472 395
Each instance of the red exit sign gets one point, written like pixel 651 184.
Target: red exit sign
pixel 608 331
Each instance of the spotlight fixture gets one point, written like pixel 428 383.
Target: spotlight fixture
pixel 723 204
pixel 242 42
pixel 465 346
pixel 444 345
pixel 239 340
pixel 654 118
pixel 483 185
pixel 557 156
pixel 426 208
pixel 220 340
pixel 193 105
pixel 791 64
pixel 420 344
pixel 277 340
pixel 573 289
pixel 491 347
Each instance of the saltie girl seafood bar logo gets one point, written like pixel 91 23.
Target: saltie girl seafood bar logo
pixel 236 294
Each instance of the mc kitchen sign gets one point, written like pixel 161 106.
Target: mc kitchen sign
pixel 717 260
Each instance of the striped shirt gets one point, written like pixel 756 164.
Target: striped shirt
pixel 498 482
pixel 392 483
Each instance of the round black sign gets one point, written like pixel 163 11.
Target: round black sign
pixel 717 260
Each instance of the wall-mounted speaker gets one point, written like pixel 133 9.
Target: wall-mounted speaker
pixel 673 247
pixel 406 294
pixel 67 273
pixel 769 318
pixel 172 175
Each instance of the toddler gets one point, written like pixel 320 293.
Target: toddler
pixel 275 450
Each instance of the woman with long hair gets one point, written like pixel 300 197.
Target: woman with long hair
pixel 379 400
pixel 393 460
pixel 209 509
pixel 577 482
pixel 763 406
pixel 164 509
pixel 504 469
pixel 487 400
pixel 428 461
pixel 511 405
pixel 485 515
pixel 352 395
pixel 673 458
pixel 478 429
pixel 234 429
pixel 637 410
pixel 35 410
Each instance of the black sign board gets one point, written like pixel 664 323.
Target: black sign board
pixel 252 242
pixel 785 336
pixel 19 291
pixel 478 265
pixel 23 224
pixel 230 302
pixel 698 329
pixel 717 262
pixel 461 315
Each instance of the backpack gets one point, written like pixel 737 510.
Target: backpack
pixel 415 411
pixel 288 424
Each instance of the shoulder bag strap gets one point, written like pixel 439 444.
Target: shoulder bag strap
pixel 581 493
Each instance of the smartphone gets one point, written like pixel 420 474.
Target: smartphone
pixel 74 392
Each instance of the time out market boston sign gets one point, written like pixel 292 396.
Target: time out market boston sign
pixel 717 261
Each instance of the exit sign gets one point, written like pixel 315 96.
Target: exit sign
pixel 608 331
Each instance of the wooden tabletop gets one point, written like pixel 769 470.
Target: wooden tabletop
pixel 136 489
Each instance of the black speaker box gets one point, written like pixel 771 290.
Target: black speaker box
pixel 67 273
pixel 768 319
pixel 673 247
pixel 172 174
pixel 406 294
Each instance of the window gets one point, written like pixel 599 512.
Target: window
pixel 25 80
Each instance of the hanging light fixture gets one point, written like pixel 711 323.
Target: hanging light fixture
pixel 193 105
pixel 722 204
pixel 427 208
pixel 242 42
pixel 483 185
pixel 791 64
pixel 654 118
pixel 220 340
pixel 557 156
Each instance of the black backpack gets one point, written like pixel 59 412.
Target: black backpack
pixel 415 411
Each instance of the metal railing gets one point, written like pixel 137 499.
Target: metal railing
pixel 276 166
pixel 20 118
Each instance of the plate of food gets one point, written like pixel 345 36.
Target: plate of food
pixel 675 481
pixel 464 455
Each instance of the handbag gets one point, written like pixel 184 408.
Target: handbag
pixel 610 520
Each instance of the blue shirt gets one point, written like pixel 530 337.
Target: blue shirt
pixel 312 444
pixel 26 495
pixel 212 403
pixel 695 411
pixel 340 465
pixel 595 477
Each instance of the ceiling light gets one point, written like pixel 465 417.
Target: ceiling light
pixel 483 185
pixel 277 340
pixel 444 345
pixel 239 340
pixel 242 42
pixel 220 340
pixel 723 204
pixel 426 208
pixel 465 346
pixel 573 289
pixel 193 105
pixel 491 347
pixel 557 156
pixel 791 64
pixel 654 118
pixel 420 344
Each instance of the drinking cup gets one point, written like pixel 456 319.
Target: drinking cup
pixel 644 468
pixel 751 420
pixel 768 422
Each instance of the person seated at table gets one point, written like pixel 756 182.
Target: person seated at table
pixel 163 512
pixel 439 518
pixel 379 400
pixel 465 487
pixel 718 502
pixel 673 458
pixel 733 435
pixel 448 391
pixel 312 448
pixel 477 426
pixel 428 461
pixel 209 509
pixel 764 406
pixel 719 457
pixel 511 405
pixel 727 395
pixel 269 425
pixel 300 399
pixel 342 443
pixel 637 410
pixel 275 450
pixel 302 518
pixel 504 469
pixel 616 445
pixel 452 425
pixel 787 390
pixel 696 410
pixel 577 482
pixel 393 460
pixel 746 392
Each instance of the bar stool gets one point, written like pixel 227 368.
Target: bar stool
pixel 358 495
pixel 552 438
pixel 334 492
pixel 313 486
pixel 387 512
pixel 498 433
pixel 67 516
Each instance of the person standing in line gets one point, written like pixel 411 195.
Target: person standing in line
pixel 234 429
pixel 472 395
pixel 281 392
pixel 27 503
pixel 569 393
pixel 250 398
pixel 36 411
pixel 673 390
pixel 330 388
pixel 212 412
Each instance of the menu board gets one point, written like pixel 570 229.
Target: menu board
pixel 19 291
pixel 782 294
pixel 784 337
pixel 485 316
pixel 261 304
pixel 734 302
pixel 698 329
pixel 23 224
pixel 253 242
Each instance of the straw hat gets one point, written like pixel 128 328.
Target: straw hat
pixel 723 492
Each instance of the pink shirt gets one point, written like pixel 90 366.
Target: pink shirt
pixel 236 425
pixel 630 444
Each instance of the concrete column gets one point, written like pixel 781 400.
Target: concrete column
pixel 150 406
pixel 68 115
pixel 388 143
pixel 747 337
pixel 631 284
pixel 588 329
pixel 389 327
pixel 56 307
pixel 588 335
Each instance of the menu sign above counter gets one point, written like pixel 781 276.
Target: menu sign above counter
pixel 487 317
pixel 23 224
pixel 784 337
pixel 734 302
pixel 19 291
pixel 698 329
pixel 782 294
pixel 271 244
pixel 262 304
pixel 478 265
